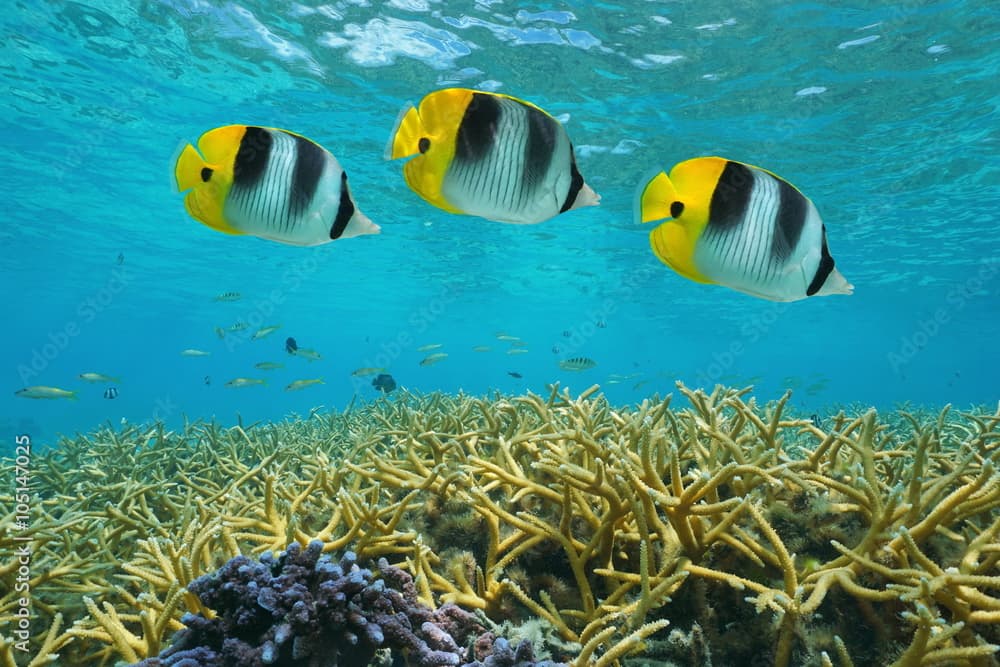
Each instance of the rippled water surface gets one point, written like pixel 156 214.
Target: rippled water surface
pixel 885 116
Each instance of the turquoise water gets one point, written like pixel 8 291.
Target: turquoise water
pixel 886 117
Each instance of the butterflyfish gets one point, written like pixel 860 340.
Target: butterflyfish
pixel 489 155
pixel 740 226
pixel 270 183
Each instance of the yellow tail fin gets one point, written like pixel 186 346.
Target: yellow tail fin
pixel 405 138
pixel 187 171
pixel 656 198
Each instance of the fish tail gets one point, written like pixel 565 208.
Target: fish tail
pixel 835 283
pixel 72 396
pixel 405 138
pixel 187 172
pixel 656 197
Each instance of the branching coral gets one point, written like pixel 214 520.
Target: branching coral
pixel 606 523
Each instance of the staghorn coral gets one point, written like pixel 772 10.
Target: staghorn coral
pixel 861 542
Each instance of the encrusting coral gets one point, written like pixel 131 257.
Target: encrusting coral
pixel 303 608
pixel 759 538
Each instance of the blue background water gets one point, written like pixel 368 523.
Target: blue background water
pixel 886 117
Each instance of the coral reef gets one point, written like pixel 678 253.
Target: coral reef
pixel 756 536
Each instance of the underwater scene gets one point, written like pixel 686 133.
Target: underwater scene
pixel 427 333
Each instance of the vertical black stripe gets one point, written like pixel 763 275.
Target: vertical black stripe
pixel 345 211
pixel 477 131
pixel 575 184
pixel 790 221
pixel 252 156
pixel 731 196
pixel 543 131
pixel 823 270
pixel 309 162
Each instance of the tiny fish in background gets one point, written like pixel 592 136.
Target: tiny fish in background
pixel 482 348
pixel 489 155
pixel 239 326
pixel 290 345
pixel 601 324
pixel 121 258
pixel 515 374
pixel 384 383
pixel 228 296
pixel 737 225
pixel 190 352
pixel 245 382
pixel 269 183
pixel 507 337
pixel 98 377
pixel 40 391
pixel 307 353
pixel 264 331
pixel 517 350
pixel 268 366
pixel 208 380
pixel 220 332
pixel 110 393
pixel 577 364
pixel 366 370
pixel 428 348
pixel 302 384
pixel 432 359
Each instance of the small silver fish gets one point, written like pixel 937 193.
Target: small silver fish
pixel 245 382
pixel 264 331
pixel 432 359
pixel 45 392
pixel 302 384
pixel 362 372
pixel 428 348
pixel 97 377
pixel 268 366
pixel 190 352
pixel 305 352
pixel 229 296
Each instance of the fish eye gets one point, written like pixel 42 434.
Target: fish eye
pixel 206 174
pixel 676 208
pixel 424 144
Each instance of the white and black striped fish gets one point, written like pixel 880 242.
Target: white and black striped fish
pixel 489 155
pixel 270 183
pixel 110 393
pixel 740 226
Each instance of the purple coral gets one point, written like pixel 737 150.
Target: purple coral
pixel 303 608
